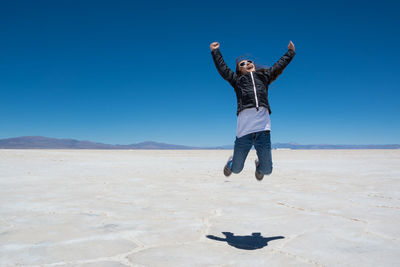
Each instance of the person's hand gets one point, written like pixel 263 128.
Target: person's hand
pixel 291 46
pixel 214 45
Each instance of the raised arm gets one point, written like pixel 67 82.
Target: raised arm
pixel 222 68
pixel 279 66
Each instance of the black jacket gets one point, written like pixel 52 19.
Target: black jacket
pixel 252 88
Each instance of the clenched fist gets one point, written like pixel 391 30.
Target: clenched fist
pixel 214 45
pixel 291 46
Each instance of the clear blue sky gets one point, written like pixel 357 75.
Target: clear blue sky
pixel 123 72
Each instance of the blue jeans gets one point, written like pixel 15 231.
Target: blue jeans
pixel 262 144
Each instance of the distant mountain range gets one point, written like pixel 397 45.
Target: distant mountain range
pixel 40 142
pixel 26 142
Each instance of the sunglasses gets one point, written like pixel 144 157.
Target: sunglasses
pixel 244 63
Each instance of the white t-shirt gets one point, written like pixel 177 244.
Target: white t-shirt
pixel 251 121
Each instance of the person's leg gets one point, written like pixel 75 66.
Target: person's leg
pixel 241 150
pixel 262 145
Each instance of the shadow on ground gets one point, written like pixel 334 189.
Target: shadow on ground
pixel 249 242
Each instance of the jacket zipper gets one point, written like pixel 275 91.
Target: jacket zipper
pixel 254 87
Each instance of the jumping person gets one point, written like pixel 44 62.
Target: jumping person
pixel 253 111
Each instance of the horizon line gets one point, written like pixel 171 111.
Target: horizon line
pixel 152 141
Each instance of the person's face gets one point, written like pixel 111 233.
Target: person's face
pixel 246 66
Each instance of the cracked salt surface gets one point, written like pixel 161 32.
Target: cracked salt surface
pixel 175 208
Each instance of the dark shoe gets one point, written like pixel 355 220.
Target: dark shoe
pixel 227 171
pixel 259 176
